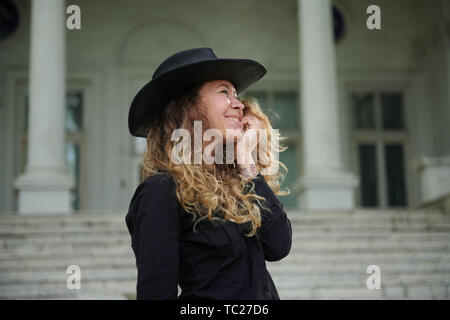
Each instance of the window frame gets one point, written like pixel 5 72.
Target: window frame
pixel 381 138
pixel 291 136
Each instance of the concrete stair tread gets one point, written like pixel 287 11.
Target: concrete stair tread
pixel 129 270
pixel 301 229
pixel 21 291
pixel 61 264
pixel 69 252
pixel 109 235
pixel 316 261
pixel 298 241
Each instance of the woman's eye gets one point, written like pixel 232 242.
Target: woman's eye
pixel 226 92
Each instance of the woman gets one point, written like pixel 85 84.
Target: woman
pixel 207 227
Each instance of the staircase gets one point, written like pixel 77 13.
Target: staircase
pixel 330 254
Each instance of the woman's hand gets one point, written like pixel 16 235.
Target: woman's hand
pixel 246 146
pixel 251 122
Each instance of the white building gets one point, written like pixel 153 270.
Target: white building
pixel 367 113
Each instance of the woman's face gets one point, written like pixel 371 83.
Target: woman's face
pixel 219 102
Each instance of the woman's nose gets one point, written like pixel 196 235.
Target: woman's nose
pixel 237 104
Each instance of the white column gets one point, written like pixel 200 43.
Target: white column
pixel 324 183
pixel 45 185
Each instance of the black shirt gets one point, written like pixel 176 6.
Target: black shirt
pixel 215 262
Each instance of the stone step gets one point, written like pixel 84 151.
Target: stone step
pixel 359 268
pixel 363 257
pixel 318 286
pixel 412 292
pixel 368 244
pixel 30 222
pixel 111 281
pixel 113 241
pixel 301 263
pixel 59 250
pixel 365 214
pixel 386 247
pixel 105 216
pixel 128 271
pixel 69 218
pixel 25 233
pixel 357 281
pixel 311 220
pixel 372 236
pixel 327 214
pixel 385 229
pixel 40 220
pixel 60 276
pixel 123 235
pixel 68 252
pixel 62 264
pixel 97 291
pixel 48 291
pixel 301 260
pixel 91 240
pixel 415 288
pixel 330 294
pixel 312 240
pixel 66 231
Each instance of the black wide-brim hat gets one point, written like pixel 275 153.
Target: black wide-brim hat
pixel 179 72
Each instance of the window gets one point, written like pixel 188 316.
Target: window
pixel 380 140
pixel 282 108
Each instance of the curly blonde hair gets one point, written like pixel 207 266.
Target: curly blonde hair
pixel 217 191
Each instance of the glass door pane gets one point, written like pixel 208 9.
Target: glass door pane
pixel 74 111
pixel 363 111
pixel 73 165
pixel 368 175
pixel 395 174
pixel 392 111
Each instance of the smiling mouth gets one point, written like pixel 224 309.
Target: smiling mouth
pixel 235 120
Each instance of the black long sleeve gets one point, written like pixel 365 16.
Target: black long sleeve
pixel 155 233
pixel 276 230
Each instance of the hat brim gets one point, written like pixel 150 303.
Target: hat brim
pixel 157 93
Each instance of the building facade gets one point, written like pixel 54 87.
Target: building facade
pixel 366 112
